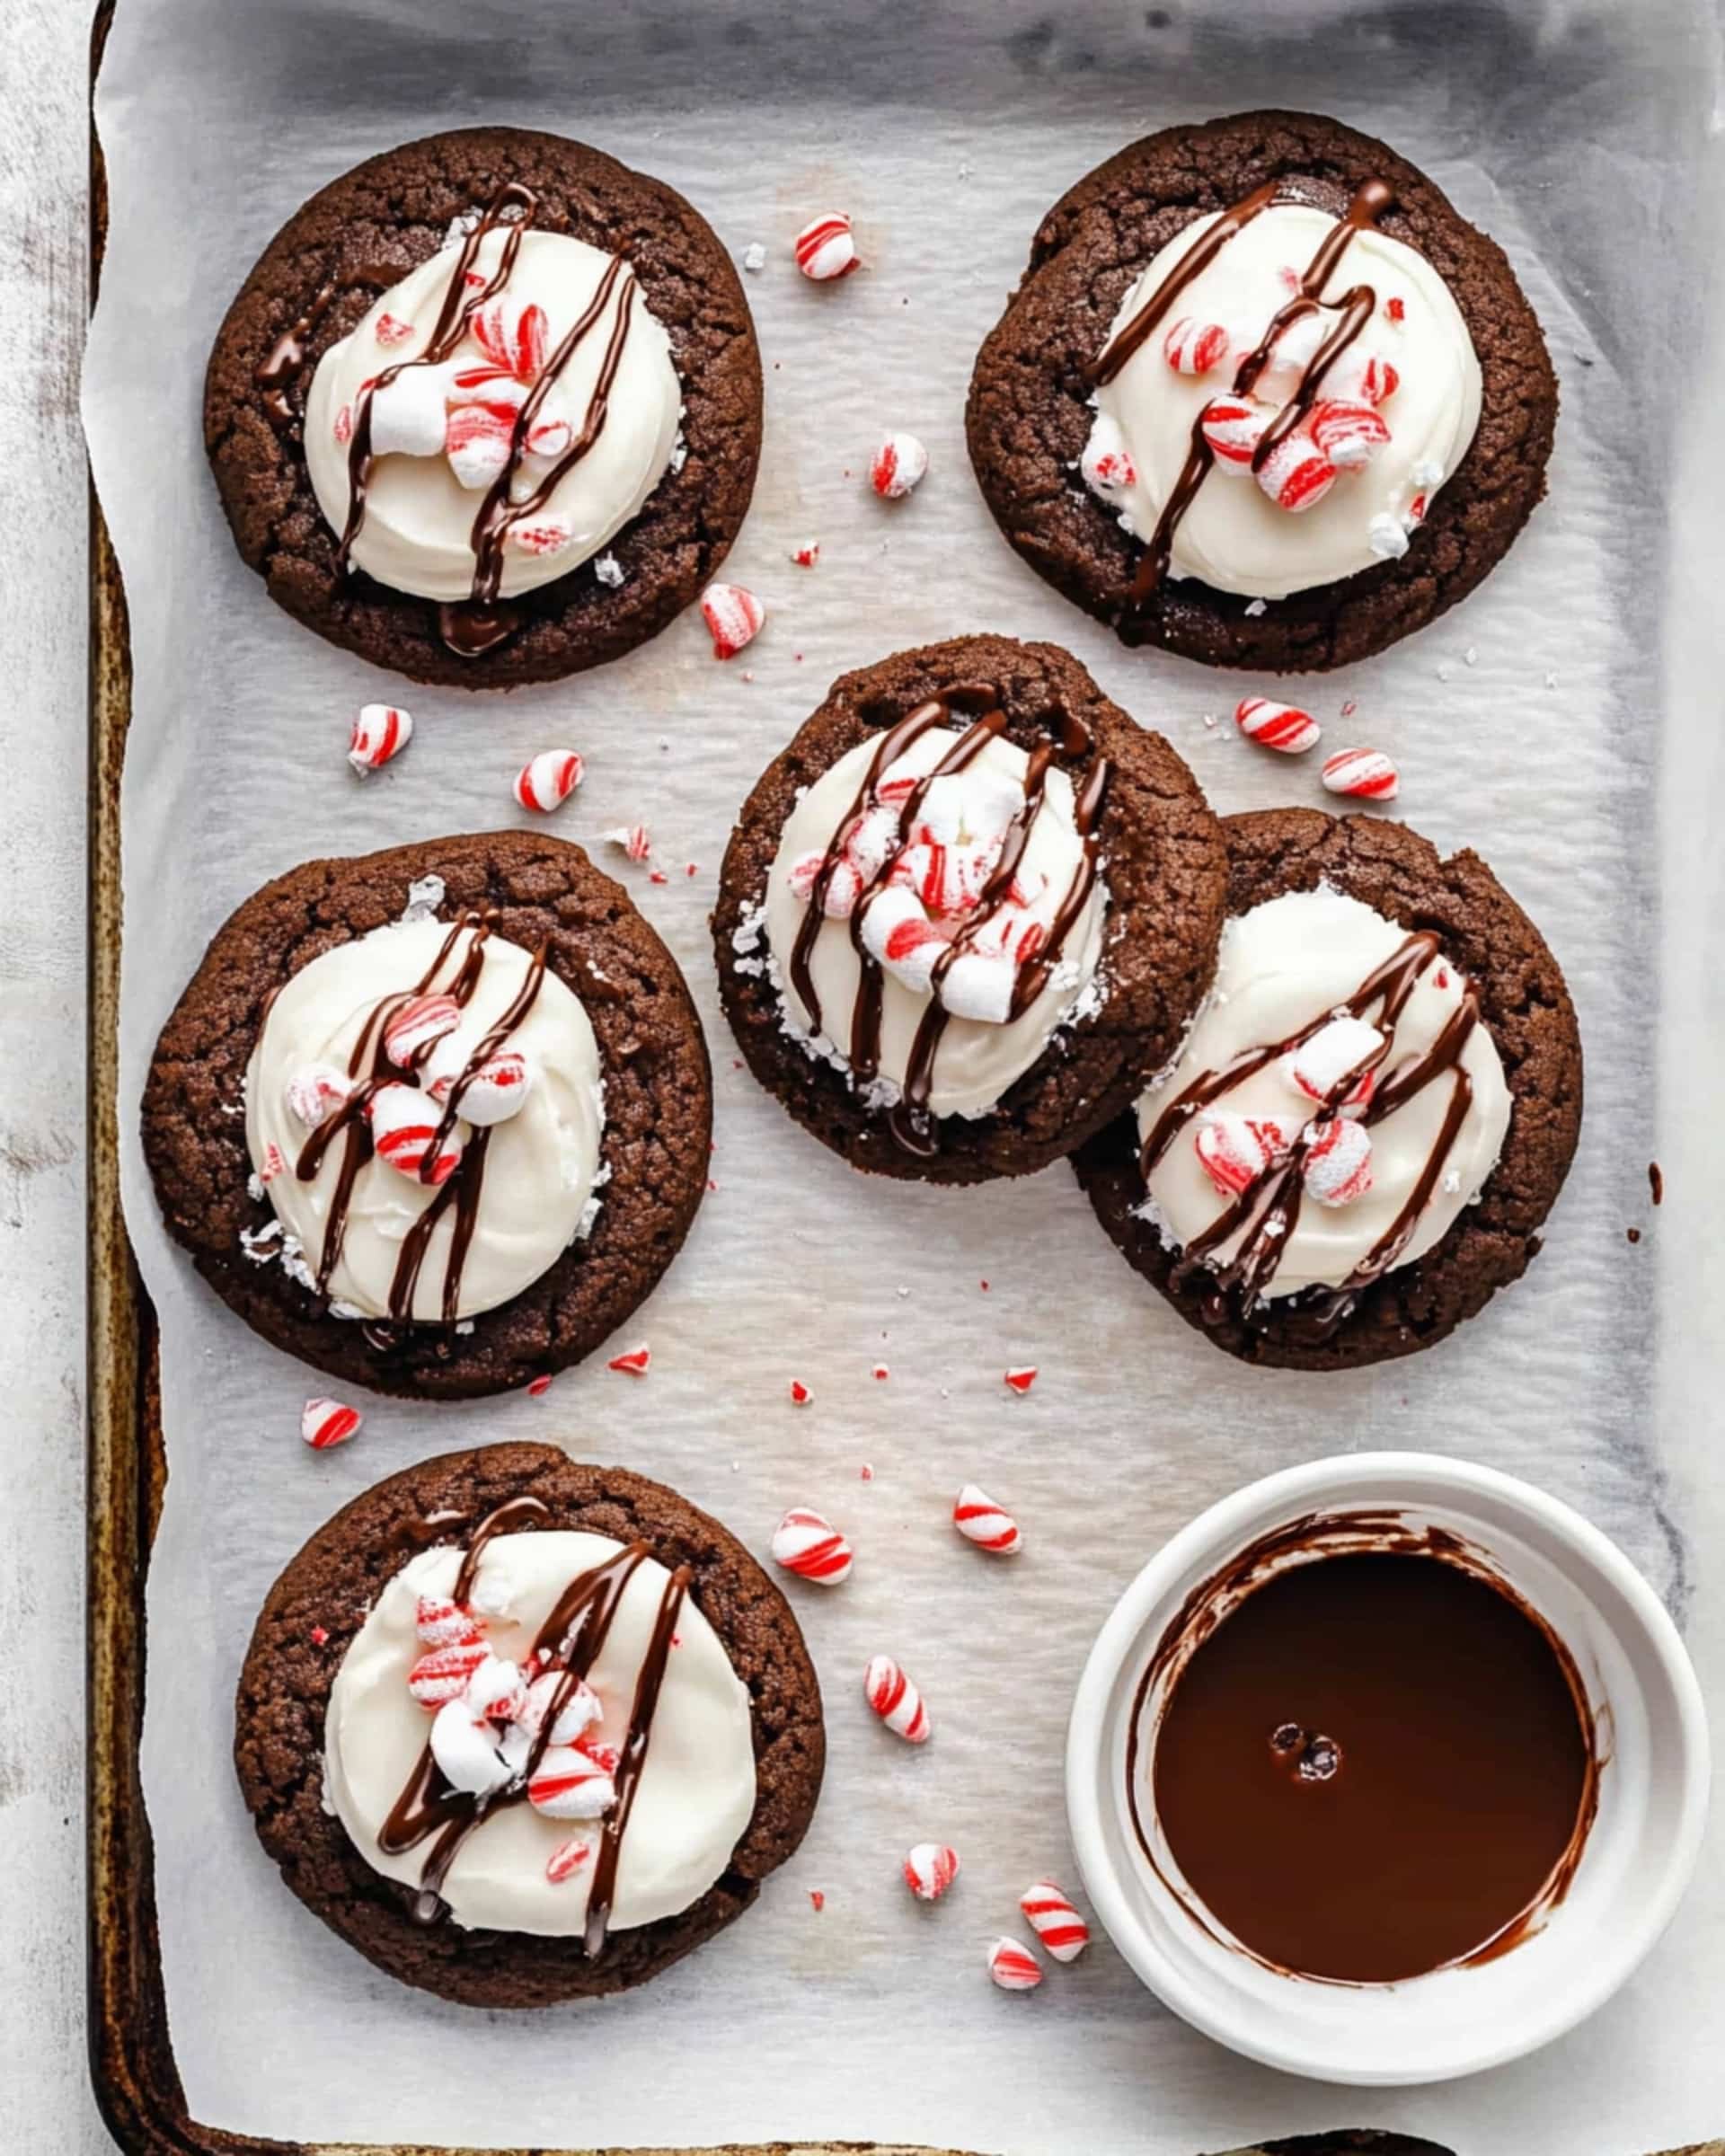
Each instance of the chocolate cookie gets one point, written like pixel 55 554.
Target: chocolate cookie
pixel 1033 886
pixel 297 1764
pixel 281 1104
pixel 1409 1121
pixel 1362 527
pixel 586 355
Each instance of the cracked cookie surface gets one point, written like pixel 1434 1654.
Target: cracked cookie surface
pixel 365 232
pixel 1029 414
pixel 1523 1003
pixel 284 1692
pixel 1162 863
pixel 658 1107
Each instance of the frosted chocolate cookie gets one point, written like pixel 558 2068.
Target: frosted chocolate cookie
pixel 522 1729
pixel 488 408
pixel 1361 1136
pixel 967 913
pixel 1262 396
pixel 435 1119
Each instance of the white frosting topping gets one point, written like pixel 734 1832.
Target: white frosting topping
pixel 540 1165
pixel 693 1800
pixel 1232 535
pixel 977 1058
pixel 1282 965
pixel 416 536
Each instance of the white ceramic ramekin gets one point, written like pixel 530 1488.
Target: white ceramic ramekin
pixel 1635 1863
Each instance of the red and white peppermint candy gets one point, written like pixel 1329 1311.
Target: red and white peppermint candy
pixel 275 1162
pixel 476 441
pixel 407 414
pixel 1062 1931
pixel 634 1364
pixel 403 1130
pixel 1236 1150
pixel 945 880
pixel 1349 435
pixel 547 782
pixel 1279 726
pixel 1014 1967
pixel 811 1546
pixel 416 1026
pixel 341 426
pixel 1318 1067
pixel 511 335
pixel 323 1423
pixel 440 1623
pixel 733 617
pixel 1297 475
pixel 1191 347
pixel 315 1092
pixel 807 554
pixel 825 248
pixel 497 1691
pixel 567 1858
pixel 1107 463
pixel 445 1672
pixel 1020 1379
pixel 635 839
pixel 896 1700
pixel 578 1711
pixel 843 886
pixel 930 1869
pixel 899 464
pixel 1233 426
pixel 549 533
pixel 979 1520
pixel 1367 773
pixel 567 1784
pixel 1338 1164
pixel 497 1089
pixel 1377 380
pixel 800 1393
pixel 390 329
pixel 380 731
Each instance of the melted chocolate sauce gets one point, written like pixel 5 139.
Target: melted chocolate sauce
pixel 1352 310
pixel 1268 1207
pixel 281 368
pixel 569 1642
pixel 909 1122
pixel 1369 1765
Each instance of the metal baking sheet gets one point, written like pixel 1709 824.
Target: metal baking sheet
pixel 1561 722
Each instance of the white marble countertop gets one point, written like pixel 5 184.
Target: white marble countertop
pixel 43 288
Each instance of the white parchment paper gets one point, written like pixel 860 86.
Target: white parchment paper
pixel 1564 722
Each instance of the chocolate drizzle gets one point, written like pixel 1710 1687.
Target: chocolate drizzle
pixel 1267 1210
pixel 568 1643
pixel 369 1065
pixel 281 368
pixel 909 1121
pixel 1352 312
pixel 476 624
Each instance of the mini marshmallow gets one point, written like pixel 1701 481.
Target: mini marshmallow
pixel 1236 1150
pixel 444 1673
pixel 1319 1066
pixel 416 1025
pixel 843 886
pixel 979 987
pixel 407 414
pixel 898 934
pixel 467 1758
pixel 1349 434
pixel 899 465
pixel 1297 345
pixel 440 1623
